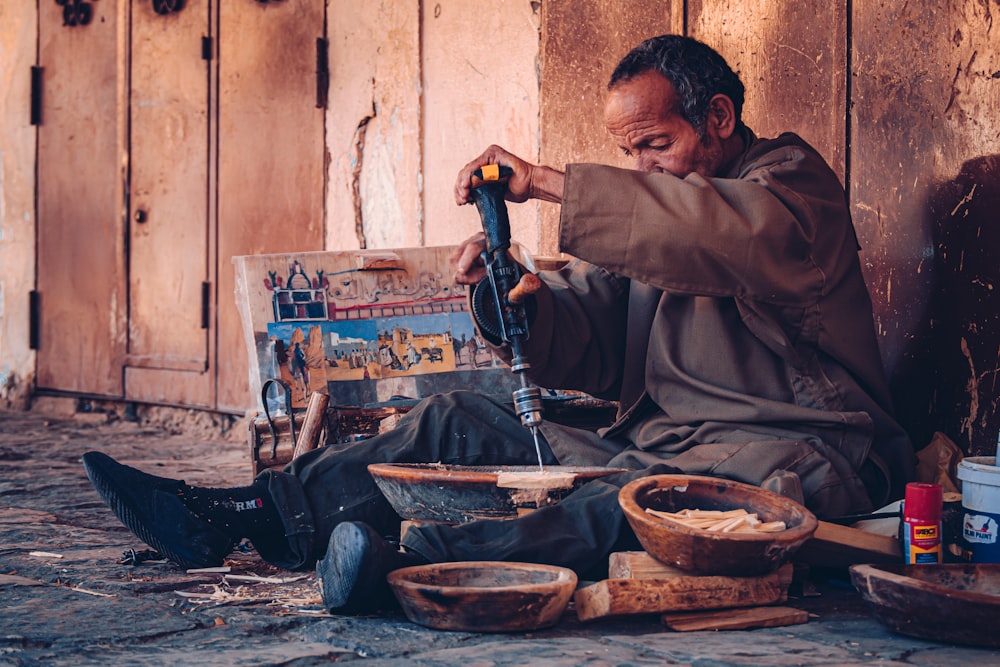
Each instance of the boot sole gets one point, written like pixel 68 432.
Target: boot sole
pixel 340 569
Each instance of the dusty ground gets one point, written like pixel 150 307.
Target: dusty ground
pixel 65 599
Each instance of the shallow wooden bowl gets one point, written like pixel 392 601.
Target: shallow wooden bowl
pixel 957 603
pixel 458 494
pixel 699 551
pixel 483 596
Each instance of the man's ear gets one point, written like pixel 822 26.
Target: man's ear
pixel 722 115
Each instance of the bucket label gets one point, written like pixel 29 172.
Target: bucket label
pixel 979 529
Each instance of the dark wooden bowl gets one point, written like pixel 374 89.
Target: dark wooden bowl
pixel 483 596
pixel 699 551
pixel 957 603
pixel 458 494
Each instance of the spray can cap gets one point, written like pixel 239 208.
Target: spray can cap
pixel 923 500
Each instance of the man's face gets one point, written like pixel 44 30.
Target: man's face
pixel 642 116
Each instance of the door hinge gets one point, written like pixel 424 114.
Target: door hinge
pixel 36 95
pixel 322 71
pixel 207 49
pixel 206 293
pixel 34 319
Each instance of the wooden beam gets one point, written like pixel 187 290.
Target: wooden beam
pixel 735 619
pixel 618 597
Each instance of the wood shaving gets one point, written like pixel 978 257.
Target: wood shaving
pixel 720 521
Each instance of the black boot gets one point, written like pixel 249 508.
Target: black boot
pixel 151 507
pixel 351 576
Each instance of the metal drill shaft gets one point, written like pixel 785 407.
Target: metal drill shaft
pixel 538 449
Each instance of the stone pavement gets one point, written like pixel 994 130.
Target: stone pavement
pixel 66 600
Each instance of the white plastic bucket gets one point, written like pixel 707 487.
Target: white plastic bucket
pixel 980 479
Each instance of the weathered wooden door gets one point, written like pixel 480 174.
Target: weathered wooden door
pixel 80 295
pixel 272 91
pixel 169 237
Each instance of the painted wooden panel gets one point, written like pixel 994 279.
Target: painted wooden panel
pixel 271 156
pixel 365 326
pixel 581 44
pixel 81 268
pixel 477 91
pixel 925 185
pixel 792 58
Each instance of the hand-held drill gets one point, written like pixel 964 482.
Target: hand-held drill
pixel 501 303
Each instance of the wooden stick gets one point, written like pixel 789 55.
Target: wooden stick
pixel 312 425
pixel 526 286
pixel 719 521
pixel 735 619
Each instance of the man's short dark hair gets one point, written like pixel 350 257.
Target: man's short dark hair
pixel 696 71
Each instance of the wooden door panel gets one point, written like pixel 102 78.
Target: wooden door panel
pixel 170 238
pixel 792 58
pixel 168 253
pixel 81 270
pixel 271 156
pixel 925 183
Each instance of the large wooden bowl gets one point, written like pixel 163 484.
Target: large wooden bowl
pixel 483 596
pixel 458 494
pixel 699 551
pixel 957 603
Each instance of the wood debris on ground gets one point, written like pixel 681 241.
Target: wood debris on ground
pixel 721 521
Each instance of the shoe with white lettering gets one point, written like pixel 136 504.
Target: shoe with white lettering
pixel 151 507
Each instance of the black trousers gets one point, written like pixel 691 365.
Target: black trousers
pixel 323 487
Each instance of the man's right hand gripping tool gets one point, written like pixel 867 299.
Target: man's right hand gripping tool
pixel 502 302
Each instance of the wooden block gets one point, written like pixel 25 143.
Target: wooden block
pixel 390 422
pixel 370 260
pixel 535 479
pixel 406 524
pixel 839 546
pixel 735 619
pixel 640 565
pixel 618 597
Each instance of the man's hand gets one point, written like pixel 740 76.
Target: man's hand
pixel 467 260
pixel 528 181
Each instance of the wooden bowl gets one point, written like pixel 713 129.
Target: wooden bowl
pixel 458 494
pixel 483 596
pixel 957 603
pixel 702 552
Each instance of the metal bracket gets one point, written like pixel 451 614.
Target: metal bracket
pixel 322 71
pixel 167 6
pixel 76 12
pixel 36 95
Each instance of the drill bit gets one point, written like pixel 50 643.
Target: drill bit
pixel 538 448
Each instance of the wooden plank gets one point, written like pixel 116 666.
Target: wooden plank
pixel 490 95
pixel 792 58
pixel 923 188
pixel 834 545
pixel 271 156
pixel 81 256
pixel 535 479
pixel 640 565
pixel 169 233
pixel 619 597
pixel 575 79
pixel 735 619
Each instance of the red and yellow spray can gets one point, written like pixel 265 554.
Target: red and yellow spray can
pixel 921 525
